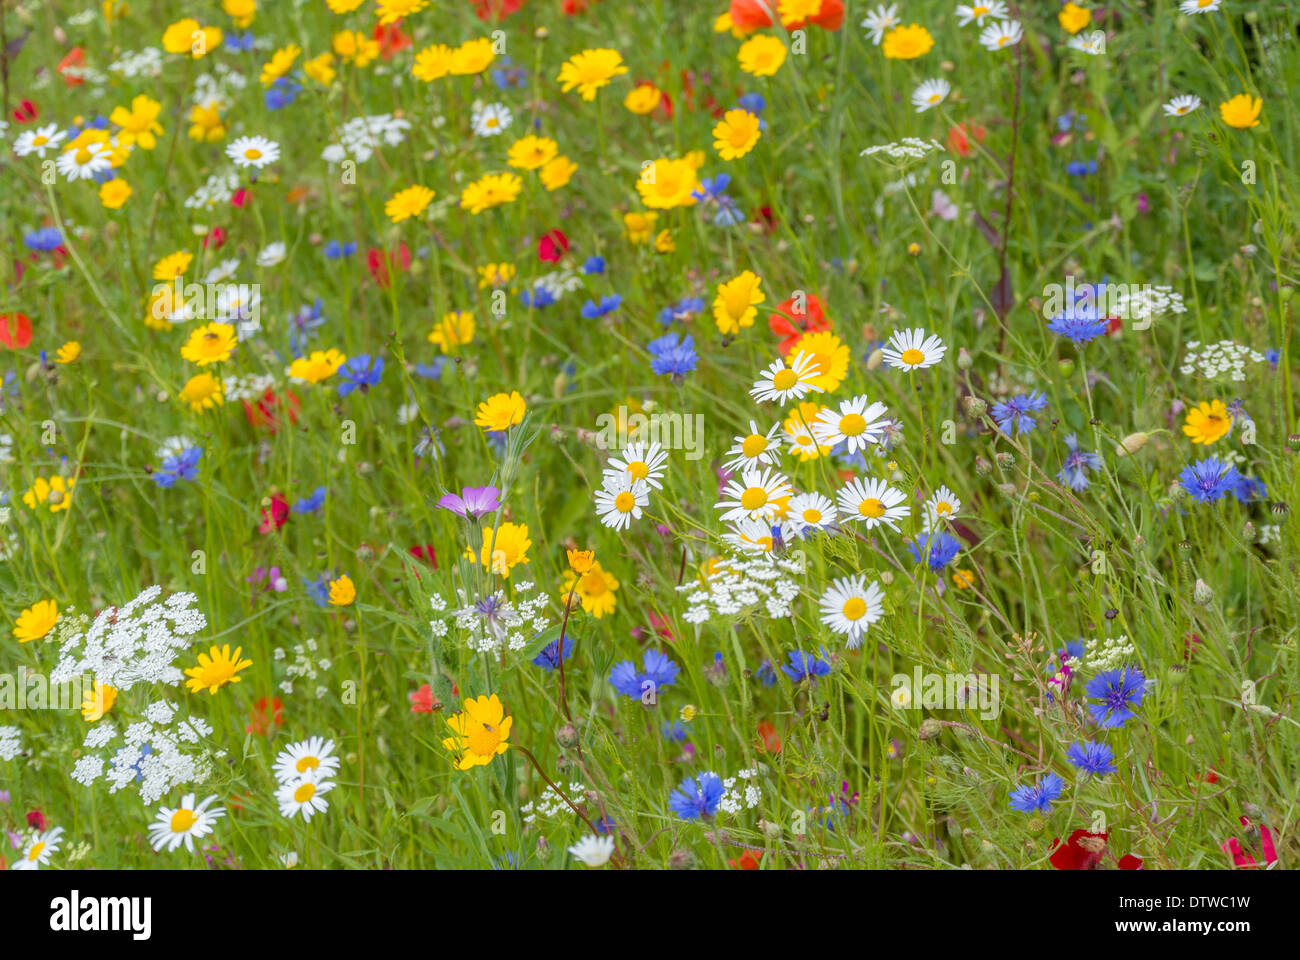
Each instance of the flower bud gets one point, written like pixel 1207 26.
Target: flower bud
pixel 1131 444
pixel 1201 593
pixel 876 359
pixel 1176 674
pixel 964 360
pixel 930 729
pixel 982 467
pixel 567 736
pixel 770 830
pixel 1066 366
pixel 1005 461
pixel 975 406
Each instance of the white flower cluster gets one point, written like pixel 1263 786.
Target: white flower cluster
pixel 496 623
pixel 1109 654
pixel 303 666
pixel 740 586
pixel 359 137
pixel 219 188
pixel 156 754
pixel 558 282
pixel 1216 359
pixel 550 803
pixel 216 88
pixel 10 742
pixel 251 386
pixel 136 643
pixel 909 148
pixel 1139 303
pixel 742 791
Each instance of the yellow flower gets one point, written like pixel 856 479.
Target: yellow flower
pixel 735 305
pixel 531 152
pixel 36 621
pixel 580 561
pixel 202 392
pixel 432 63
pixel 796 11
pixel 1074 18
pixel 216 669
pixel 472 56
pixel 115 150
pixel 501 411
pixel 205 124
pixel 279 64
pixel 481 732
pixel 495 275
pixel 643 98
pixel 1207 422
pixel 410 202
pixel 735 134
pixel 186 36
pixel 664 242
pixel 55 492
pixel 596 588
pixel 172 266
pixel 321 365
pixel 114 193
pixel 321 69
pixel 508 551
pixel 590 70
pixel 454 330
pixel 558 172
pixel 1242 111
pixel 829 353
pixel 639 226
pixel 491 191
pixel 799 436
pixel 355 47
pixel 343 6
pixel 964 579
pixel 97 702
pixel 762 55
pixel 139 124
pixel 342 592
pixel 241 11
pixel 390 11
pixel 907 43
pixel 665 183
pixel 211 343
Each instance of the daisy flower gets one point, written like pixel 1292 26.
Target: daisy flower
pixel 913 350
pixel 1006 33
pixel 39 140
pixel 620 499
pixel 255 152
pixel 1182 106
pixel 856 423
pixel 799 438
pixel 872 501
pixel 976 12
pixel 811 511
pixel 1191 7
pixel 780 382
pixel 930 93
pixel 304 795
pixel 641 462
pixel 491 120
pixel 85 161
pixel 850 606
pixel 755 448
pixel 174 826
pixel 752 535
pixel 942 505
pixel 880 20
pixel 297 759
pixel 39 851
pixel 760 494
pixel 272 254
pixel 592 850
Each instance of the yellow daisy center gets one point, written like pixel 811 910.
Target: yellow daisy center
pixel 854 608
pixel 913 356
pixel 182 820
pixel 36 851
pixel 753 445
pixel 307 763
pixel 785 379
pixel 852 425
pixel 812 515
pixel 943 508
pixel 753 498
pixel 871 507
pixel 252 153
pixel 638 469
pixel 624 502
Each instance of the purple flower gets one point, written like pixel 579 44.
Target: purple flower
pixel 473 502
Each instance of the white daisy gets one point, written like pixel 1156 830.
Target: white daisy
pixel 930 93
pixel 850 606
pixel 272 254
pixel 314 753
pixel 39 140
pixel 780 382
pixel 1089 45
pixel 304 795
pixel 799 439
pixel 592 850
pixel 255 152
pixel 84 162
pixel 753 535
pixel 39 851
pixel 913 350
pixel 943 505
pixel 811 511
pixel 966 13
pixel 856 422
pixel 174 826
pixel 872 501
pixel 491 120
pixel 1007 33
pixel 222 271
pixel 755 448
pixel 881 19
pixel 620 499
pixel 760 495
pixel 1190 7
pixel 641 462
pixel 1182 106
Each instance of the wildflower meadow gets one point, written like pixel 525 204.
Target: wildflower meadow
pixel 594 435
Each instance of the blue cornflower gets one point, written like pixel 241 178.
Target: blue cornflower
pixel 360 373
pixel 312 503
pixel 1092 757
pixel 549 657
pixel 336 251
pixel 537 298
pixel 431 370
pixel 594 265
pixel 1078 329
pixel 182 466
pixel 1081 168
pixel 1038 797
pixel 1014 414
pixel 697 798
pixel 659 672
pixel 937 549
pixel 303 324
pixel 713 191
pixel 239 42
pixel 1247 489
pixel 44 239
pixel 672 357
pixel 673 732
pixel 1273 356
pixel 711 188
pixel 765 674
pixel 755 104
pixel 1074 473
pixel 682 310
pixel 608 304
pixel 507 74
pixel 804 666
pixel 1209 480
pixel 319 589
pixel 281 93
pixel 1119 691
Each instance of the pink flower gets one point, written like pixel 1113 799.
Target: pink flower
pixel 1240 858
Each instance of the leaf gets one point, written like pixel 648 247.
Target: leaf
pixel 1001 297
pixel 990 234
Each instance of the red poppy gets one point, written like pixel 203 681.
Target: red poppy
pixel 268 411
pixel 241 197
pixel 36 820
pixel 267 712
pixel 216 237
pixel 829 17
pixel 790 323
pixel 76 58
pixel 15 330
pixel 959 137
pixel 424 552
pixel 423 700
pixel 391 39
pixel 1084 851
pixel 275 517
pixel 377 262
pixel 495 9
pixel 552 247
pixel 750 15
pixel 749 860
pixel 769 739
pixel 26 112
pixel 765 219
